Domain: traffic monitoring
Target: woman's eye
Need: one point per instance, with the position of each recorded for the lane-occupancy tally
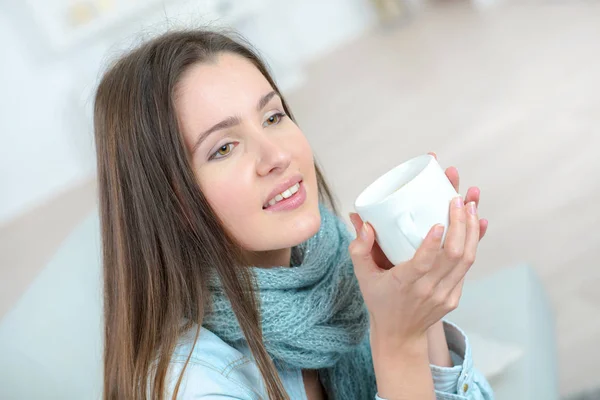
(222, 152)
(274, 119)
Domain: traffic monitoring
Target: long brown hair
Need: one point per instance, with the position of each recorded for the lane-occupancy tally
(160, 237)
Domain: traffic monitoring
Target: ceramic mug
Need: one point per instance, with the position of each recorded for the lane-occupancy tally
(403, 204)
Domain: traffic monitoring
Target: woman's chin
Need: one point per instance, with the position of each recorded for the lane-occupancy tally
(298, 229)
(308, 223)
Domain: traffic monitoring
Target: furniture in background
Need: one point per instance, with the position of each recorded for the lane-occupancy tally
(51, 340)
(511, 306)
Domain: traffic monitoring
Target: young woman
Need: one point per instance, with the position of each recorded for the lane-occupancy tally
(228, 273)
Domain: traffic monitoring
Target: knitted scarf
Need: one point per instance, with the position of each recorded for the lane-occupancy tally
(313, 314)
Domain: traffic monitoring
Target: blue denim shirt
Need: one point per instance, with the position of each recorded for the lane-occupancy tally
(217, 370)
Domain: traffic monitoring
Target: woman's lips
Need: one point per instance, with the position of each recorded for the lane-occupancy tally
(292, 202)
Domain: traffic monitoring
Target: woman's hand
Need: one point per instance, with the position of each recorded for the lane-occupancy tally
(406, 299)
(473, 194)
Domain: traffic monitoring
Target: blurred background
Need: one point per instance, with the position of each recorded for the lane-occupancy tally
(508, 91)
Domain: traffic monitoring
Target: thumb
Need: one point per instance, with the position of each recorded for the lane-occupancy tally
(360, 248)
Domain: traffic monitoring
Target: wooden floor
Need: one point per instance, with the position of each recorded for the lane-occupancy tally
(512, 99)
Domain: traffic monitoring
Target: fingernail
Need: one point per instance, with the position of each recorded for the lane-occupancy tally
(472, 207)
(458, 202)
(438, 231)
(363, 232)
(352, 222)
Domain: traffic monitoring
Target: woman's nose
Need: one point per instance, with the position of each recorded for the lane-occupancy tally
(271, 155)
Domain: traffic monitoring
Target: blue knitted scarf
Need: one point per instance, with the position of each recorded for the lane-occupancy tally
(313, 314)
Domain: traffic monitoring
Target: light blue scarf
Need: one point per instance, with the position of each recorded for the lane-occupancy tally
(313, 314)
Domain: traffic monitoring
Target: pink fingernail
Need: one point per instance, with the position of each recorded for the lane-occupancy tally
(363, 231)
(472, 208)
(438, 231)
(458, 202)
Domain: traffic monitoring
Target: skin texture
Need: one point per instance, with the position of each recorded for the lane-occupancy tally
(437, 347)
(252, 157)
(406, 300)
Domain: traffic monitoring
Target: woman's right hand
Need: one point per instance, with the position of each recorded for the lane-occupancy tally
(404, 300)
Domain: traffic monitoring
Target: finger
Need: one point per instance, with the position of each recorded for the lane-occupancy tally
(470, 249)
(378, 255)
(454, 244)
(483, 226)
(360, 250)
(473, 194)
(431, 153)
(456, 293)
(356, 221)
(427, 253)
(453, 177)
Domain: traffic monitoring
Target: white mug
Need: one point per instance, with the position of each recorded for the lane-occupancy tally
(403, 204)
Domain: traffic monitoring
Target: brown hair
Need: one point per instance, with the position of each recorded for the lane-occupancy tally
(160, 237)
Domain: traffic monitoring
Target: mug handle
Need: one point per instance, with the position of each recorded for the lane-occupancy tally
(406, 223)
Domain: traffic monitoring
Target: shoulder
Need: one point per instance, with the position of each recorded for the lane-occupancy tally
(215, 368)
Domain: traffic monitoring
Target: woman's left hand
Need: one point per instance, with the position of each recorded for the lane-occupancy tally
(472, 194)
(437, 345)
(436, 338)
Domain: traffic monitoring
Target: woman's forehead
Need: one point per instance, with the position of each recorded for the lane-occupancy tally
(209, 92)
(228, 77)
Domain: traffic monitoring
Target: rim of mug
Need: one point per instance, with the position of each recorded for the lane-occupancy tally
(365, 192)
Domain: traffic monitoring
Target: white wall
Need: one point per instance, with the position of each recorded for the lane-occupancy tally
(38, 155)
(50, 340)
(46, 98)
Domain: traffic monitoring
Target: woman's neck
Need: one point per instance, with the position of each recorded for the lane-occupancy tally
(270, 258)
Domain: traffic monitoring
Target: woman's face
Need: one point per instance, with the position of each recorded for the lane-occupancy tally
(252, 149)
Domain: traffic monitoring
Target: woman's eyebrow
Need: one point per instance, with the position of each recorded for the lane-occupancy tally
(265, 100)
(232, 121)
(226, 123)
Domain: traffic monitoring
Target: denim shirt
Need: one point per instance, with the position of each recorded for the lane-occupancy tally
(217, 370)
